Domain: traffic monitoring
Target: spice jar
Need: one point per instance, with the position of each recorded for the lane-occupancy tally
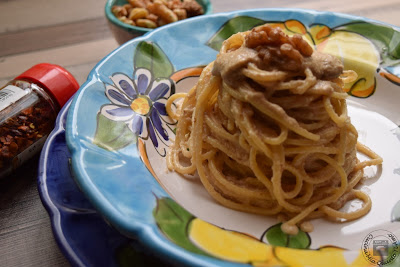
(29, 105)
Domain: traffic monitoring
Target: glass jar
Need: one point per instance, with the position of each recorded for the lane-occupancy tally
(29, 105)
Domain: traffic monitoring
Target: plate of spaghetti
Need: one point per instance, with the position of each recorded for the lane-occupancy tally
(266, 137)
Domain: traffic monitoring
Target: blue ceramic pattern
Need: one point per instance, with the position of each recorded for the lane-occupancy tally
(139, 103)
(81, 233)
(117, 183)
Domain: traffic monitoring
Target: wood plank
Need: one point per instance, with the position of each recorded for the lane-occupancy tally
(54, 36)
(388, 14)
(385, 11)
(71, 55)
(74, 35)
(359, 8)
(17, 15)
(31, 246)
(26, 238)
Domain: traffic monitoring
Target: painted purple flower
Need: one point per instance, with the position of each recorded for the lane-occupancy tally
(140, 103)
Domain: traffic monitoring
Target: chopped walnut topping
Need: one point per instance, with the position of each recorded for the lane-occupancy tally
(291, 53)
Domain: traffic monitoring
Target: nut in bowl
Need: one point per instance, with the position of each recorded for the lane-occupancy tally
(128, 19)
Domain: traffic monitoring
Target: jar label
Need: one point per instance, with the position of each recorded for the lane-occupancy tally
(29, 152)
(9, 95)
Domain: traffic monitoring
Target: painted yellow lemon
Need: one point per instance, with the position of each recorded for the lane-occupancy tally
(229, 245)
(238, 247)
(357, 53)
(327, 257)
(360, 261)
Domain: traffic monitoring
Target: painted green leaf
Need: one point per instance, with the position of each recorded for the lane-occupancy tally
(150, 56)
(276, 237)
(235, 25)
(385, 38)
(174, 222)
(112, 135)
(392, 261)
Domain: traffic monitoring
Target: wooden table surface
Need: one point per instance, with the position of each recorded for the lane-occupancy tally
(75, 35)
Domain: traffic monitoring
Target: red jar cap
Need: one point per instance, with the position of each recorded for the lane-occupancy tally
(56, 80)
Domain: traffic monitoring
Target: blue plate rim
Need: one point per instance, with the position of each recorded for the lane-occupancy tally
(53, 211)
(144, 232)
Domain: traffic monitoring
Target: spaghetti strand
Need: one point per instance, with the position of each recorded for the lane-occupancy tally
(267, 131)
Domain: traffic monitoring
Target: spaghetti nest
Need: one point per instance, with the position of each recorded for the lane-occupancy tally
(266, 129)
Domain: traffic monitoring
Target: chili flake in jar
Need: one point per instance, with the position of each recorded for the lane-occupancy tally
(29, 105)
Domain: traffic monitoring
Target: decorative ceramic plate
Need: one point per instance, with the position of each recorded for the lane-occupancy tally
(118, 133)
(81, 233)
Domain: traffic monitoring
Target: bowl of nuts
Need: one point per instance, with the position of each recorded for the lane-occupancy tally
(131, 18)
